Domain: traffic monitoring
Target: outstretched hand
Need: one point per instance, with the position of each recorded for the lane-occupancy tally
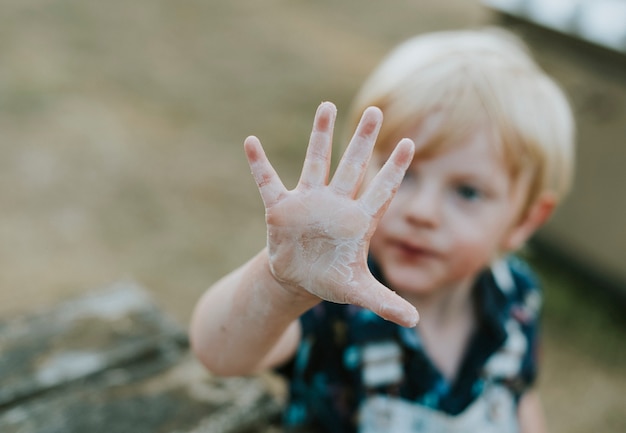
(318, 233)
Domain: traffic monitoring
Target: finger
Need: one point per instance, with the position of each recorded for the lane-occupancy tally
(270, 186)
(384, 302)
(317, 161)
(386, 182)
(353, 164)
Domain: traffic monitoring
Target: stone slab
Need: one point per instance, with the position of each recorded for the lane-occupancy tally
(112, 361)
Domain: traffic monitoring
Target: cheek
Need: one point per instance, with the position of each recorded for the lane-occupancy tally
(390, 217)
(474, 248)
(469, 259)
(379, 233)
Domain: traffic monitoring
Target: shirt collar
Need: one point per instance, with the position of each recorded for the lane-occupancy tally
(491, 300)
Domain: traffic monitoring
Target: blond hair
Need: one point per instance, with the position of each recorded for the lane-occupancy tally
(476, 78)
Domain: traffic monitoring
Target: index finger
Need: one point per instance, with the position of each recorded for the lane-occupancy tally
(384, 185)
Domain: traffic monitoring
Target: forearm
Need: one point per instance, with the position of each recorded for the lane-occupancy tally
(247, 321)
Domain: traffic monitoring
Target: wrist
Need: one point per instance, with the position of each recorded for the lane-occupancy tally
(282, 292)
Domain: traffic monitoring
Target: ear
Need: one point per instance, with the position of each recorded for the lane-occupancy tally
(537, 214)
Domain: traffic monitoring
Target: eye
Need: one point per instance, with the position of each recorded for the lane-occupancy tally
(469, 192)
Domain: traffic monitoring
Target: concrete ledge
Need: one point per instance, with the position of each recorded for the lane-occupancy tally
(111, 361)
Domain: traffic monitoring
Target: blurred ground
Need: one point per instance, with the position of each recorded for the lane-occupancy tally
(121, 126)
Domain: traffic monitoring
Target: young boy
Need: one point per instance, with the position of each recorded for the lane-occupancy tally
(331, 302)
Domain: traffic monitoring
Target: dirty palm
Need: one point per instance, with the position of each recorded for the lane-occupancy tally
(318, 233)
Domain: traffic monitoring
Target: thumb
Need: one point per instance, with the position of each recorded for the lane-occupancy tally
(374, 296)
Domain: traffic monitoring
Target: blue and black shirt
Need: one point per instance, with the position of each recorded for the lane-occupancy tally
(349, 356)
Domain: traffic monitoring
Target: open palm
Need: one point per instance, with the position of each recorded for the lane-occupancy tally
(318, 233)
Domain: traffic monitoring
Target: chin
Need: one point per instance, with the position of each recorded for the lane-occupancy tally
(411, 283)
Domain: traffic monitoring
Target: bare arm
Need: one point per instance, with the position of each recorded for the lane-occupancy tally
(530, 414)
(317, 240)
(247, 322)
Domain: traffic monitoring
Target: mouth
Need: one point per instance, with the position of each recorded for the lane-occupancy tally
(411, 251)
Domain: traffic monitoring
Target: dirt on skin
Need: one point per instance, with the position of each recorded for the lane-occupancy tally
(121, 155)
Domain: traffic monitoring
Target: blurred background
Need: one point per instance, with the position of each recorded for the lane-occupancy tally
(122, 124)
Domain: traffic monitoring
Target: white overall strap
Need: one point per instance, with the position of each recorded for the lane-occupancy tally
(502, 276)
(494, 411)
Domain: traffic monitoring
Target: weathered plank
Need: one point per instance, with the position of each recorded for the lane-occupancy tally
(111, 361)
(182, 399)
(81, 337)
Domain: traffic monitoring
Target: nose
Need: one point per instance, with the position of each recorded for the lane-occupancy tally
(423, 205)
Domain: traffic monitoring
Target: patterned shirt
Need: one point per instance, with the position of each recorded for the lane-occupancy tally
(349, 357)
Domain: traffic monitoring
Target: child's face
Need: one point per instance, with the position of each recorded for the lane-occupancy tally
(451, 216)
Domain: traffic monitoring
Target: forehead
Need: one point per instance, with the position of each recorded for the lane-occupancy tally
(440, 132)
(473, 154)
(443, 129)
